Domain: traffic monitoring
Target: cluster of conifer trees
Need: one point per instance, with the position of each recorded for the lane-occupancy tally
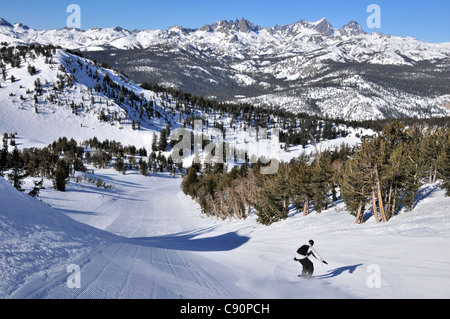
(388, 170)
(63, 158)
(56, 161)
(383, 175)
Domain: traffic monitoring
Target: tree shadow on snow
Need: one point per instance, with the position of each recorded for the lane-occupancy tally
(338, 271)
(187, 241)
(425, 192)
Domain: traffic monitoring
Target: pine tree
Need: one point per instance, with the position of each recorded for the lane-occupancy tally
(154, 143)
(16, 176)
(321, 180)
(443, 164)
(163, 140)
(119, 164)
(4, 155)
(32, 69)
(190, 182)
(61, 175)
(367, 165)
(143, 167)
(429, 150)
(354, 190)
(274, 197)
(300, 183)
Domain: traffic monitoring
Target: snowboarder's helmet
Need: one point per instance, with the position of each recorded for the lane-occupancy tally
(311, 242)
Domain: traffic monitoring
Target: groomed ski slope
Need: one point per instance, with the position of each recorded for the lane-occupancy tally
(149, 240)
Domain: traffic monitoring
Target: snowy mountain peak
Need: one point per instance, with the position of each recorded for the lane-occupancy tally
(352, 28)
(4, 23)
(246, 26)
(242, 25)
(20, 25)
(323, 20)
(282, 67)
(324, 27)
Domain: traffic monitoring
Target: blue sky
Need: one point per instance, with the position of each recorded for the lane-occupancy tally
(426, 20)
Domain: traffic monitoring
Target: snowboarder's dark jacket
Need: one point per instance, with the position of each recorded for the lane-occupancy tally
(306, 250)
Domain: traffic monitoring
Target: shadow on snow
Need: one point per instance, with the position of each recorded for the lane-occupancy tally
(338, 271)
(189, 242)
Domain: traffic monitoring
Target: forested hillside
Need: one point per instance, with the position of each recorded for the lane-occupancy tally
(383, 175)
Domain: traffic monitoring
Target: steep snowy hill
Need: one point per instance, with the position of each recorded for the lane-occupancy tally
(63, 97)
(34, 238)
(305, 66)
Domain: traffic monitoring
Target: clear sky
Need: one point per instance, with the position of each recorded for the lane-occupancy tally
(426, 20)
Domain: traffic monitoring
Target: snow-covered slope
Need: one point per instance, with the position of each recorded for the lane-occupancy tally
(71, 106)
(35, 239)
(163, 248)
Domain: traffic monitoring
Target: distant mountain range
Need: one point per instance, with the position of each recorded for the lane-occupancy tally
(305, 66)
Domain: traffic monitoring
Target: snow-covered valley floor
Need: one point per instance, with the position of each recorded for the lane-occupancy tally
(149, 240)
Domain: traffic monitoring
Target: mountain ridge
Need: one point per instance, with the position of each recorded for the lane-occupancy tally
(302, 67)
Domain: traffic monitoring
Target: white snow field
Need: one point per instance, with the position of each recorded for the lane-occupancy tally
(149, 240)
(144, 238)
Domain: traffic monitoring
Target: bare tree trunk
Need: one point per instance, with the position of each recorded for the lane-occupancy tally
(380, 203)
(394, 203)
(285, 208)
(380, 197)
(306, 206)
(374, 204)
(359, 217)
(388, 208)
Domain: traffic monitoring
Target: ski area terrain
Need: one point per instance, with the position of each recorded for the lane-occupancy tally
(138, 235)
(146, 239)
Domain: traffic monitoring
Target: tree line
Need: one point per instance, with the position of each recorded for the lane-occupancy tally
(62, 159)
(388, 170)
(383, 175)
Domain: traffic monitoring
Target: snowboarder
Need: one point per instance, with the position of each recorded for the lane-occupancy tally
(302, 256)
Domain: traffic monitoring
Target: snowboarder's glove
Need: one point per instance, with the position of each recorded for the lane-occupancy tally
(325, 262)
(295, 259)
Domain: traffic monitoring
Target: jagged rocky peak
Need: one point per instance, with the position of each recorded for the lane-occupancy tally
(246, 26)
(242, 25)
(4, 23)
(206, 28)
(351, 29)
(324, 27)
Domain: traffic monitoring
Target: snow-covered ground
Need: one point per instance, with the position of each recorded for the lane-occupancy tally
(143, 238)
(149, 240)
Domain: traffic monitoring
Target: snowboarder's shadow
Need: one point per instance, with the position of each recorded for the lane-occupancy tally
(338, 271)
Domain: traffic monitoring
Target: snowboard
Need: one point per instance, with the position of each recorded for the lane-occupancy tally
(306, 278)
